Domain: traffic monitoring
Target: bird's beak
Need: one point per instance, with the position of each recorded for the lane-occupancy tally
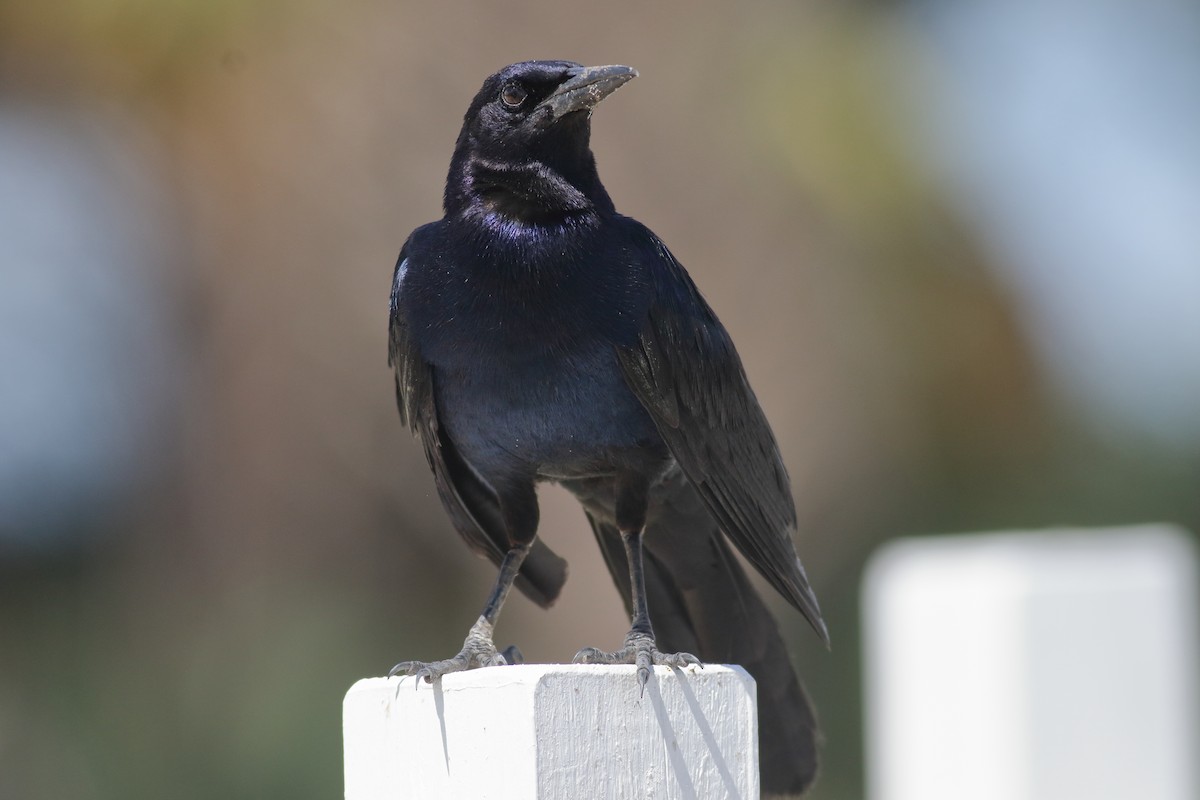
(585, 87)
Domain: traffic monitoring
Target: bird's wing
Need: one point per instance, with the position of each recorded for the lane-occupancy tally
(468, 499)
(687, 374)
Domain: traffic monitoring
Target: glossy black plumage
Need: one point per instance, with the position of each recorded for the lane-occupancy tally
(537, 335)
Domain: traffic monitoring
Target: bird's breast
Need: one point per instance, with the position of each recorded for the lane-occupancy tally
(522, 338)
(558, 416)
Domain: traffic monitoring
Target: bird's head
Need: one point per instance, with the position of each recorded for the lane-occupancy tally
(524, 149)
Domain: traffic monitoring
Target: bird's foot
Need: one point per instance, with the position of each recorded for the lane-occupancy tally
(639, 649)
(477, 651)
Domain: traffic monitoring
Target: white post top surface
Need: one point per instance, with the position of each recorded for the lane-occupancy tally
(543, 731)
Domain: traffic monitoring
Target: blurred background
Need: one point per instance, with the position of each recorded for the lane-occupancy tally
(958, 247)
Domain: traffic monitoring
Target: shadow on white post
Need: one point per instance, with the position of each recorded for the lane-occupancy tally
(1033, 666)
(542, 731)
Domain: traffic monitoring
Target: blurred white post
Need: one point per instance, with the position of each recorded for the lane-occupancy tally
(1033, 666)
(542, 731)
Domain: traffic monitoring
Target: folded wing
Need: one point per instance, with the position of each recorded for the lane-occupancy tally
(687, 374)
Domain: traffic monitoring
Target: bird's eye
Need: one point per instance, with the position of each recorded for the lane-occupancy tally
(512, 95)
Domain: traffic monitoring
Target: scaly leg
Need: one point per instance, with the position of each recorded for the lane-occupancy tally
(478, 649)
(640, 647)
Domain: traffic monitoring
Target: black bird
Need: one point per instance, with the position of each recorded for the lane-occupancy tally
(538, 335)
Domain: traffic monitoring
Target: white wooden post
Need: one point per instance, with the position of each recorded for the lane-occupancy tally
(1033, 666)
(554, 731)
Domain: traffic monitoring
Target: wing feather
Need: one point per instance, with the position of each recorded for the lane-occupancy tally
(687, 373)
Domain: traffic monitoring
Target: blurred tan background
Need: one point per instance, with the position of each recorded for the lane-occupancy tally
(955, 244)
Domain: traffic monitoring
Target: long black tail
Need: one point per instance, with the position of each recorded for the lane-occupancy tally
(702, 602)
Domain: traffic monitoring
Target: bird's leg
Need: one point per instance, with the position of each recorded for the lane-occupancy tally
(478, 649)
(639, 647)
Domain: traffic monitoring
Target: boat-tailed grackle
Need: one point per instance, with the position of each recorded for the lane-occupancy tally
(538, 335)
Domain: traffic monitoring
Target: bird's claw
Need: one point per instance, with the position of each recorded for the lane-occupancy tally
(641, 651)
(477, 651)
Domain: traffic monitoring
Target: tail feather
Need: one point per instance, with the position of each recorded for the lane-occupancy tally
(701, 601)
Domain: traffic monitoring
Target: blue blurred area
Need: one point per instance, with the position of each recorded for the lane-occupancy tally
(1067, 134)
(86, 338)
